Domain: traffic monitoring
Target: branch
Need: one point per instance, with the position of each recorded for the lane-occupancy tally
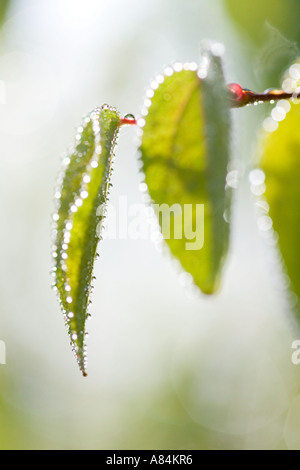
(240, 97)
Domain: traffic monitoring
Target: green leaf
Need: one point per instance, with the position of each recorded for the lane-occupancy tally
(81, 198)
(185, 155)
(281, 165)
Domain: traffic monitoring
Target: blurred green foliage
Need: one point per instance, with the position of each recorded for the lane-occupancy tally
(272, 27)
(4, 4)
(281, 164)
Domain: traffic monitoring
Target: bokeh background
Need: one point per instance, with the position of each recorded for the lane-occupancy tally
(168, 368)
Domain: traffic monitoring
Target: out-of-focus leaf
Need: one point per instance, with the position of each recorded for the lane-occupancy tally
(253, 16)
(273, 28)
(281, 165)
(4, 4)
(81, 198)
(185, 155)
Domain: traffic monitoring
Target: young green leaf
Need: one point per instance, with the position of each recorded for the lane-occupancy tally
(81, 198)
(281, 165)
(185, 155)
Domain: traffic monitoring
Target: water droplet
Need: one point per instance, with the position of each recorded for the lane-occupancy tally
(285, 105)
(295, 97)
(294, 71)
(150, 93)
(264, 223)
(86, 179)
(154, 85)
(226, 216)
(289, 85)
(203, 67)
(66, 161)
(84, 194)
(78, 202)
(278, 113)
(202, 73)
(270, 125)
(105, 106)
(143, 187)
(146, 198)
(258, 190)
(129, 117)
(257, 177)
(263, 205)
(218, 49)
(160, 79)
(193, 66)
(232, 179)
(168, 71)
(141, 122)
(178, 67)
